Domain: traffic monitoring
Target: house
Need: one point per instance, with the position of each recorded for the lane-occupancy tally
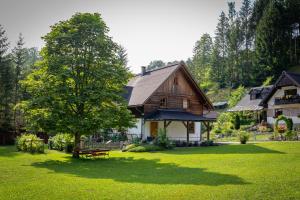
(168, 98)
(284, 99)
(251, 102)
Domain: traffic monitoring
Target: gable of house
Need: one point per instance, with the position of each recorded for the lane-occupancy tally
(177, 92)
(174, 83)
(287, 80)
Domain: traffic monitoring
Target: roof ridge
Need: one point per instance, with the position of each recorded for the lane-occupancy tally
(166, 66)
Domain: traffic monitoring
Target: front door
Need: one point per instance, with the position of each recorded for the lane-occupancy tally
(153, 129)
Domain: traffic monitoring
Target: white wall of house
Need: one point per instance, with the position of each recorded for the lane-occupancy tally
(289, 110)
(175, 131)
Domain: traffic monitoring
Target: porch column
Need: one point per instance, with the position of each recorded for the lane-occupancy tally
(200, 133)
(187, 134)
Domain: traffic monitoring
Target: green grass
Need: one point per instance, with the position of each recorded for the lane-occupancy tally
(269, 170)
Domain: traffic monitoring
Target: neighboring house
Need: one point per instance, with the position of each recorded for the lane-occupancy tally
(251, 102)
(168, 98)
(220, 105)
(284, 99)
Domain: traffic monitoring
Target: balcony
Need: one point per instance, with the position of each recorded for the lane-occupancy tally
(287, 100)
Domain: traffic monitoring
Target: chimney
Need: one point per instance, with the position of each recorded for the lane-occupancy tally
(143, 70)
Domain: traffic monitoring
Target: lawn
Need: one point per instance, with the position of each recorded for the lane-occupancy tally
(269, 170)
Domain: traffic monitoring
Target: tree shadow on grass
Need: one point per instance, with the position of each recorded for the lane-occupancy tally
(8, 151)
(139, 171)
(224, 149)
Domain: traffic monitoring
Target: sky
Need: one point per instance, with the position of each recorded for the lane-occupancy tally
(149, 30)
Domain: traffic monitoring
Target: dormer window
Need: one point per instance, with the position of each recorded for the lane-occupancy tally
(163, 102)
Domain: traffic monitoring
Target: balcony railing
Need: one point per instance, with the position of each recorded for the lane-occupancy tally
(287, 100)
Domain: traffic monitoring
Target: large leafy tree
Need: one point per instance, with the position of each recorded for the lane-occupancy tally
(76, 87)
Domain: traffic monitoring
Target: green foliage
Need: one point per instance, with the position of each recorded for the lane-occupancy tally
(207, 143)
(237, 122)
(130, 146)
(288, 121)
(236, 96)
(6, 84)
(291, 135)
(136, 140)
(146, 148)
(77, 86)
(155, 64)
(162, 140)
(243, 136)
(268, 81)
(63, 141)
(30, 143)
(224, 123)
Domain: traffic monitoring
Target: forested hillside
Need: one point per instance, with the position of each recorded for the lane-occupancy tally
(259, 40)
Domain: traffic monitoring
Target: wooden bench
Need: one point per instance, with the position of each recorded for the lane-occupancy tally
(94, 152)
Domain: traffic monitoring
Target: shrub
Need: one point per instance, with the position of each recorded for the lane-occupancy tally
(30, 143)
(290, 135)
(146, 148)
(243, 137)
(162, 140)
(130, 146)
(237, 122)
(136, 140)
(207, 143)
(63, 141)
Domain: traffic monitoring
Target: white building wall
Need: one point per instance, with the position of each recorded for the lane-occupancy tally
(290, 110)
(175, 131)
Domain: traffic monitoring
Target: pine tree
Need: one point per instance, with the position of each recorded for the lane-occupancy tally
(234, 44)
(202, 56)
(220, 53)
(6, 83)
(247, 40)
(19, 62)
(272, 42)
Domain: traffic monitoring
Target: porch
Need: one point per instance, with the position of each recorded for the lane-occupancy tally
(178, 124)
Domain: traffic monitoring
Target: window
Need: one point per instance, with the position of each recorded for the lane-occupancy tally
(191, 127)
(163, 102)
(175, 81)
(175, 84)
(185, 103)
(278, 112)
(290, 92)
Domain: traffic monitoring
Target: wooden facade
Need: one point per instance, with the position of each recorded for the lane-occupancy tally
(177, 92)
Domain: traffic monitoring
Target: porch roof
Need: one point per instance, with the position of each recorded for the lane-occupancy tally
(179, 115)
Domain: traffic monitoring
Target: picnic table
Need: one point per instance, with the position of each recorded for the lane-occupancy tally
(94, 152)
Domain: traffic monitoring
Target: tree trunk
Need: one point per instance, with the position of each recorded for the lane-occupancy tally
(76, 146)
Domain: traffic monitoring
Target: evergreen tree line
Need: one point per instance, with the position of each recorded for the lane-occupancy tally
(259, 40)
(15, 64)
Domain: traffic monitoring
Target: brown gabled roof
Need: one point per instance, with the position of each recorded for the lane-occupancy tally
(293, 77)
(141, 87)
